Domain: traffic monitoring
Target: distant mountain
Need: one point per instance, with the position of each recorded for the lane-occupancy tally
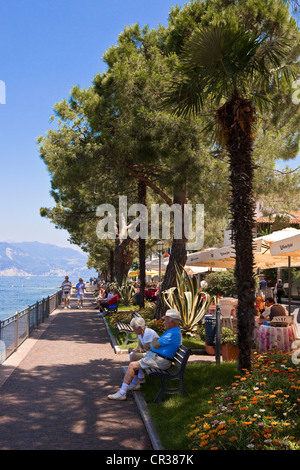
(41, 259)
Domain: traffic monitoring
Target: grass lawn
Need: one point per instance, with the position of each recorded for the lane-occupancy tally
(173, 415)
(227, 409)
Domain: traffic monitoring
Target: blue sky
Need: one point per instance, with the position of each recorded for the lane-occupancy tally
(48, 46)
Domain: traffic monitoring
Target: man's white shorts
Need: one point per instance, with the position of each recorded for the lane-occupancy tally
(66, 295)
(151, 359)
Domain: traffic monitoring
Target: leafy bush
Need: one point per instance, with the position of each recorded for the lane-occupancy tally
(228, 337)
(120, 316)
(221, 283)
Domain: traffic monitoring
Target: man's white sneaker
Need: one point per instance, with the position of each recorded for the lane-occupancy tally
(134, 387)
(117, 396)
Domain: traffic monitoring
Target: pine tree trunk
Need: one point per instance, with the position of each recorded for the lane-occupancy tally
(123, 258)
(111, 265)
(178, 254)
(237, 117)
(142, 246)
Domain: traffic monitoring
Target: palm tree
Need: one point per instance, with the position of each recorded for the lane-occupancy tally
(234, 69)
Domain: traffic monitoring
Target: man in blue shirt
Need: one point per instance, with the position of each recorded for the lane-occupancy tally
(160, 354)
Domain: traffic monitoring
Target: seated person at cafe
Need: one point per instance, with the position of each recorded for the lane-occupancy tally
(160, 355)
(272, 310)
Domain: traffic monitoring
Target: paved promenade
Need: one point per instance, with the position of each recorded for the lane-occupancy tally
(53, 390)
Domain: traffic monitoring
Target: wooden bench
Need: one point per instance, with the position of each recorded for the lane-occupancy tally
(111, 309)
(175, 372)
(124, 327)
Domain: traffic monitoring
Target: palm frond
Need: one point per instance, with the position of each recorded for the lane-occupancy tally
(216, 61)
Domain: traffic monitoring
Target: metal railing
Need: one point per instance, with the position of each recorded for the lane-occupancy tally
(15, 329)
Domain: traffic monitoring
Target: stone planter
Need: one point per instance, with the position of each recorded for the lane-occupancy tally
(229, 352)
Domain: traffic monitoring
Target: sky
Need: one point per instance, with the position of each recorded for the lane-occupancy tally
(47, 47)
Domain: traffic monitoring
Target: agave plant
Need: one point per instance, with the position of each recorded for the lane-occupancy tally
(127, 292)
(188, 299)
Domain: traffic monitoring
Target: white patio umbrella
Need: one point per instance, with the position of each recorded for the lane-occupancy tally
(285, 245)
(225, 256)
(213, 258)
(194, 269)
(265, 252)
(154, 264)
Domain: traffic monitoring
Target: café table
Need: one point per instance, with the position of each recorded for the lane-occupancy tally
(275, 337)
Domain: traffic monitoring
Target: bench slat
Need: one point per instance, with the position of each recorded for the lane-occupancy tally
(175, 372)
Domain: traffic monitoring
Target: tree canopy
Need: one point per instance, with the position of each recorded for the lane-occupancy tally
(106, 139)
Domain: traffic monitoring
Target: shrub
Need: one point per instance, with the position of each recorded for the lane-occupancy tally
(221, 283)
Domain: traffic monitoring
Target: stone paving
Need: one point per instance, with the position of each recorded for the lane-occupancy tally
(53, 390)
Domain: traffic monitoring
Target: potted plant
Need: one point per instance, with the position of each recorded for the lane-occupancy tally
(229, 345)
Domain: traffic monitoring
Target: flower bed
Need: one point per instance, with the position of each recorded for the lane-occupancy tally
(259, 411)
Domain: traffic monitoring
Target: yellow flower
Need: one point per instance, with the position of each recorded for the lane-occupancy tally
(206, 426)
(223, 431)
(233, 438)
(221, 426)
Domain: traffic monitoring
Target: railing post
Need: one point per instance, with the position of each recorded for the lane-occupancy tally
(36, 314)
(48, 306)
(28, 322)
(16, 331)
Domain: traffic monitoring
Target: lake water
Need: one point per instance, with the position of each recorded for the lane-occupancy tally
(16, 293)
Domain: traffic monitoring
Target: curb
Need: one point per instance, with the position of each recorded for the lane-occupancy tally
(146, 417)
(139, 399)
(113, 339)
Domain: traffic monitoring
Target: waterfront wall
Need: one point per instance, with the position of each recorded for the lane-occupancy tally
(15, 329)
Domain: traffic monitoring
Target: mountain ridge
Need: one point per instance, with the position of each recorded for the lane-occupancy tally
(41, 259)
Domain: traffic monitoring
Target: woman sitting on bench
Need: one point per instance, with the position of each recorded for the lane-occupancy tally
(112, 302)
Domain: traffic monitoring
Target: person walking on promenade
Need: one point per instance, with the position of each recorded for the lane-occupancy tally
(66, 291)
(262, 288)
(160, 354)
(279, 290)
(80, 287)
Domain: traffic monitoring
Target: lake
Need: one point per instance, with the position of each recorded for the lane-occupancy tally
(17, 292)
